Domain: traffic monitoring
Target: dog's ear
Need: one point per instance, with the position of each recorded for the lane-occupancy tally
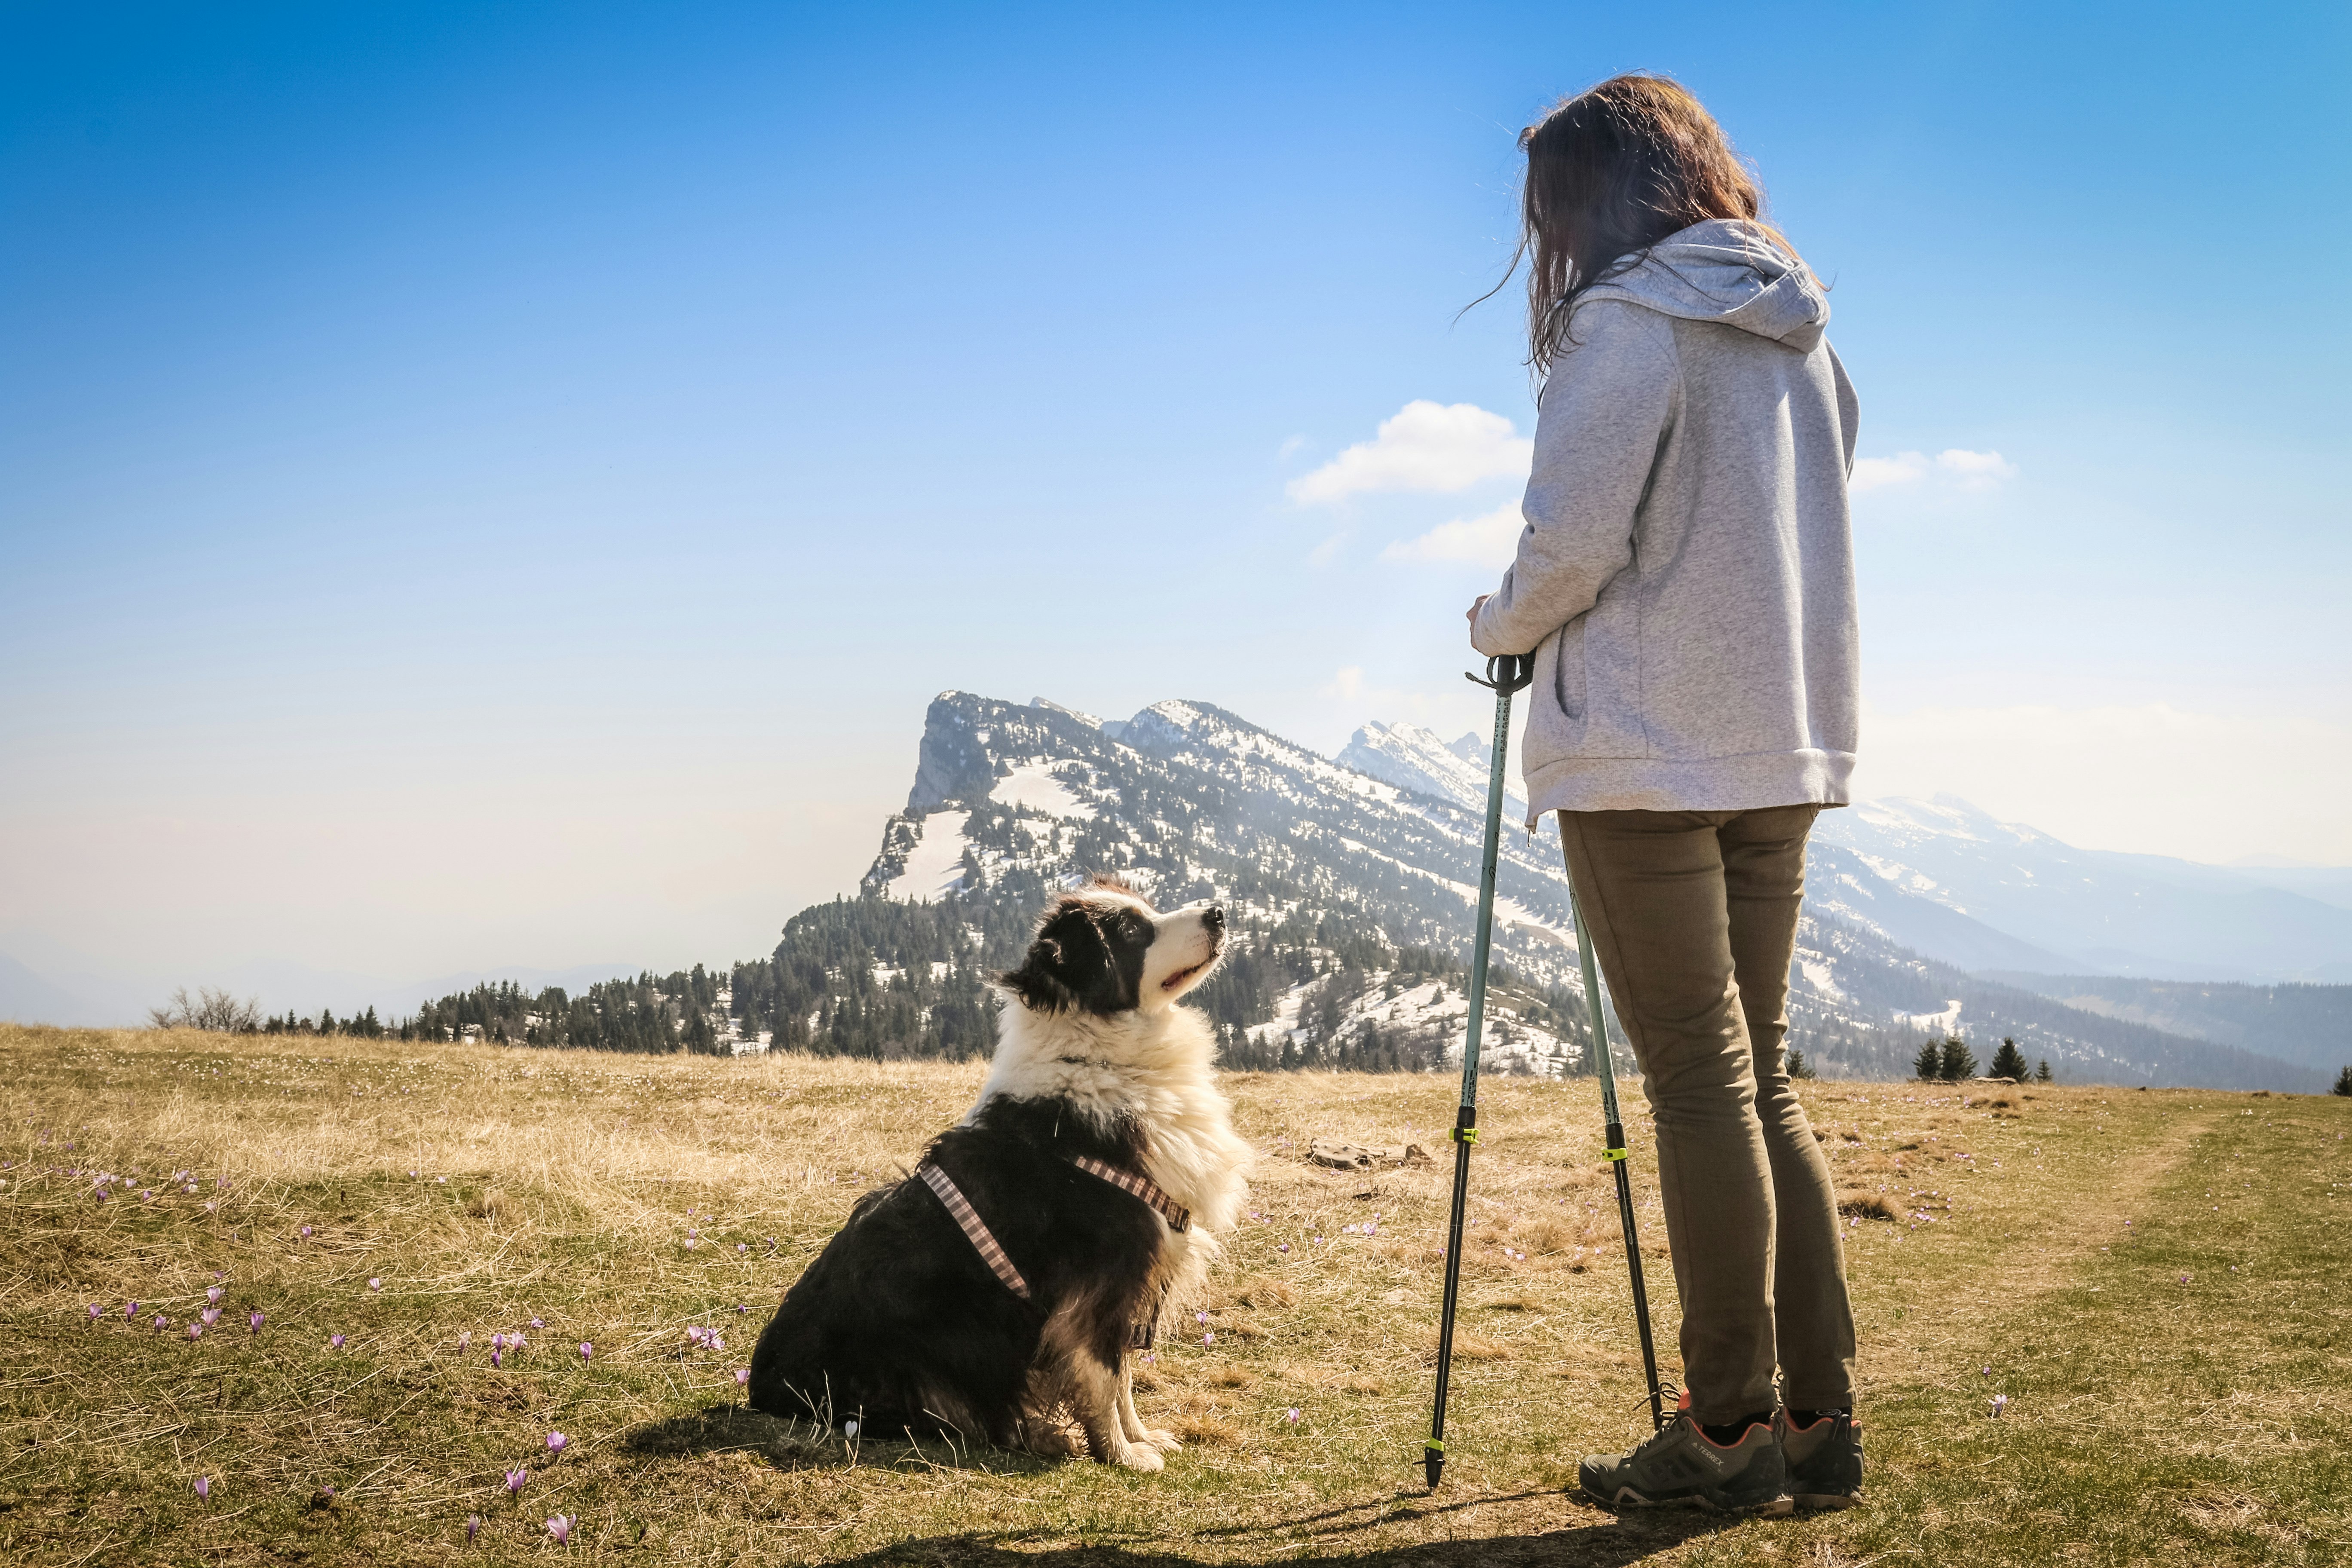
(1069, 965)
(1039, 982)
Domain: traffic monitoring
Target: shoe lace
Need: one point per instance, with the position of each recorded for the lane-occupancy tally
(1671, 1398)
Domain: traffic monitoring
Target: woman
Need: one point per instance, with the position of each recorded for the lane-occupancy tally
(1685, 581)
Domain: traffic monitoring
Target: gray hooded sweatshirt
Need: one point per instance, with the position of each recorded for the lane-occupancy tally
(1685, 578)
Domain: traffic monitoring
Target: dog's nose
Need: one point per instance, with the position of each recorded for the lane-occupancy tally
(1213, 918)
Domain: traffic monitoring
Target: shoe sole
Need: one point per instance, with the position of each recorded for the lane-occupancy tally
(1827, 1499)
(1627, 1498)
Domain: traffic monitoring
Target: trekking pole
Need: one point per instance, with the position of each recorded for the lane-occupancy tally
(1615, 1154)
(1506, 673)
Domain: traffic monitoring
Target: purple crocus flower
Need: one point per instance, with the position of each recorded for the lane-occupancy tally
(204, 1486)
(2000, 1403)
(1209, 1339)
(557, 1442)
(515, 1479)
(94, 1310)
(256, 1321)
(1294, 1415)
(161, 1322)
(497, 1357)
(559, 1527)
(196, 1331)
(375, 1284)
(586, 1351)
(742, 1377)
(537, 1324)
(473, 1526)
(131, 1312)
(465, 1338)
(211, 1316)
(335, 1342)
(212, 1294)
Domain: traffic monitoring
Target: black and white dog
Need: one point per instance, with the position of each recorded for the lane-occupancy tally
(998, 1292)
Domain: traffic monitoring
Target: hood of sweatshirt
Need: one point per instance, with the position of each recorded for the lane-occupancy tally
(1728, 272)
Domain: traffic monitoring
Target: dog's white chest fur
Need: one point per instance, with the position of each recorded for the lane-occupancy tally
(1152, 1067)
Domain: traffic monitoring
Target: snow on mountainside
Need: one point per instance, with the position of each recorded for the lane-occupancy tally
(2082, 911)
(1352, 893)
(1413, 757)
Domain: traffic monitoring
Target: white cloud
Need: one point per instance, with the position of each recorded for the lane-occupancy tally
(1426, 447)
(1489, 540)
(1346, 685)
(2150, 777)
(1954, 468)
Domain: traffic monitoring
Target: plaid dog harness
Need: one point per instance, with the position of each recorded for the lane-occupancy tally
(983, 1241)
(959, 1209)
(1179, 1217)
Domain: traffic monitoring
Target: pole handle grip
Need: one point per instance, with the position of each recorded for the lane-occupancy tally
(1506, 672)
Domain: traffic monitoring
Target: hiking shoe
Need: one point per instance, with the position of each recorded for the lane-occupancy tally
(1824, 1459)
(1682, 1466)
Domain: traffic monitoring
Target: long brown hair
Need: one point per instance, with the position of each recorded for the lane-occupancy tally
(1611, 173)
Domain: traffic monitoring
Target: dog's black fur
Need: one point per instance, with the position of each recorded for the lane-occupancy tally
(1085, 958)
(899, 1325)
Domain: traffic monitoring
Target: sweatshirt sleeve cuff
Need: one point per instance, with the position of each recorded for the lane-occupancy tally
(1490, 638)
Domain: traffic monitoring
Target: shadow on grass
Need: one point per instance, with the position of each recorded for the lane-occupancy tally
(1598, 1540)
(1606, 1542)
(802, 1446)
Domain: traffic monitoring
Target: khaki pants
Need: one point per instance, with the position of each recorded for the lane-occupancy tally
(1693, 918)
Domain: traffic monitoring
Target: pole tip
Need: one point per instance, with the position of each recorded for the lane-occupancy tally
(1432, 1465)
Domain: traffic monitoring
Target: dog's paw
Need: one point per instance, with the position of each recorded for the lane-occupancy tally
(1140, 1457)
(1166, 1442)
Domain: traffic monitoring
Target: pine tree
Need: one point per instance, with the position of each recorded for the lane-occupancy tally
(1958, 1061)
(2041, 1073)
(2343, 1083)
(2008, 1062)
(1799, 1066)
(1928, 1065)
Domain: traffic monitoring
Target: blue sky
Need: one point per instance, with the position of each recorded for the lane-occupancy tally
(499, 484)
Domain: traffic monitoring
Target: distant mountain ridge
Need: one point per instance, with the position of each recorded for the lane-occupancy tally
(1377, 847)
(2093, 911)
(1353, 883)
(1413, 758)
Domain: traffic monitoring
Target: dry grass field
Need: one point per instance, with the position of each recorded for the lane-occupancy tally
(2154, 1283)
